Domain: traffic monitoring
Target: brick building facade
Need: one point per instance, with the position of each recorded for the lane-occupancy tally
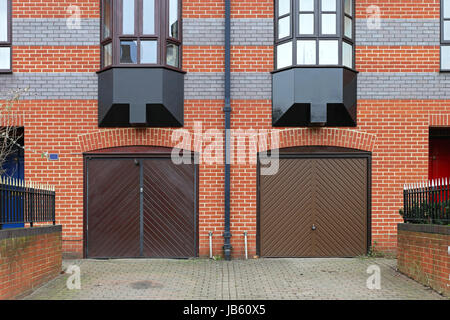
(401, 94)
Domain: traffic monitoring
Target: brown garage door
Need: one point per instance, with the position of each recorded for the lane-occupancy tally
(140, 207)
(168, 215)
(315, 207)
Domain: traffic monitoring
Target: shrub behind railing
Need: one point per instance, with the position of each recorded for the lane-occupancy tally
(427, 203)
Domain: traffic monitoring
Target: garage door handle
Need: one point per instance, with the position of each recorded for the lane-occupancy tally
(313, 227)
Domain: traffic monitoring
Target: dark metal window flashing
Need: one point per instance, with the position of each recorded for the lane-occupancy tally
(149, 97)
(444, 43)
(306, 97)
(140, 94)
(315, 94)
(8, 42)
(317, 35)
(161, 34)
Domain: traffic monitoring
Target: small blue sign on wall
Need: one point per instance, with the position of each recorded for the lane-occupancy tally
(53, 157)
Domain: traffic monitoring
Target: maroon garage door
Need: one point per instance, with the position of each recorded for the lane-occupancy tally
(315, 207)
(140, 207)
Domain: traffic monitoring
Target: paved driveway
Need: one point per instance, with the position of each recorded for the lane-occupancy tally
(247, 280)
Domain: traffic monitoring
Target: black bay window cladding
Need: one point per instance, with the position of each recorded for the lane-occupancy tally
(141, 82)
(314, 83)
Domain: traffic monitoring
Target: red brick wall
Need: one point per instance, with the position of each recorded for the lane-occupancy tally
(54, 8)
(56, 59)
(425, 258)
(397, 59)
(28, 260)
(395, 130)
(400, 9)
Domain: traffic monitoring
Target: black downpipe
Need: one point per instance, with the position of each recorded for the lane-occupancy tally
(227, 234)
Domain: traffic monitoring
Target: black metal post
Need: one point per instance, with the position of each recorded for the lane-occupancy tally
(54, 207)
(32, 194)
(227, 234)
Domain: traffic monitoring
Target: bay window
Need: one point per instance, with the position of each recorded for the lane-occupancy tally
(141, 33)
(5, 36)
(445, 35)
(140, 83)
(314, 33)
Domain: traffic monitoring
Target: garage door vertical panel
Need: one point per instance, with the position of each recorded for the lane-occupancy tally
(285, 210)
(169, 209)
(113, 208)
(341, 204)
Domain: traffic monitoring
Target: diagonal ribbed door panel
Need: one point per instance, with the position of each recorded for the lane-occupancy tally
(286, 206)
(328, 193)
(113, 208)
(341, 216)
(169, 209)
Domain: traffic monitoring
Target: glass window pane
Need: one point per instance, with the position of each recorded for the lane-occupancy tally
(446, 9)
(128, 17)
(106, 19)
(329, 23)
(328, 5)
(445, 57)
(306, 5)
(173, 18)
(107, 55)
(128, 51)
(172, 55)
(348, 27)
(5, 58)
(348, 7)
(446, 30)
(347, 55)
(284, 55)
(284, 27)
(328, 52)
(306, 52)
(148, 51)
(306, 23)
(4, 20)
(284, 7)
(148, 16)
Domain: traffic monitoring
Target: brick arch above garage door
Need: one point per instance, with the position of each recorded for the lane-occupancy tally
(345, 138)
(129, 137)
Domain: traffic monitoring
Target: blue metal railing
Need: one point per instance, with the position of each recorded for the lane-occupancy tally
(22, 202)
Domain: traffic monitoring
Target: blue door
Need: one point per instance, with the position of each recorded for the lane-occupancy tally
(14, 168)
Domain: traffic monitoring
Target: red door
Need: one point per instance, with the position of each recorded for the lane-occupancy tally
(439, 164)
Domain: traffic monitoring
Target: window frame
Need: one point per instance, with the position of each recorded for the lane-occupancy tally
(108, 40)
(161, 35)
(317, 36)
(169, 39)
(443, 43)
(8, 42)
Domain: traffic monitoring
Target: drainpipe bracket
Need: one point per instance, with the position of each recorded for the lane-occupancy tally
(227, 247)
(227, 235)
